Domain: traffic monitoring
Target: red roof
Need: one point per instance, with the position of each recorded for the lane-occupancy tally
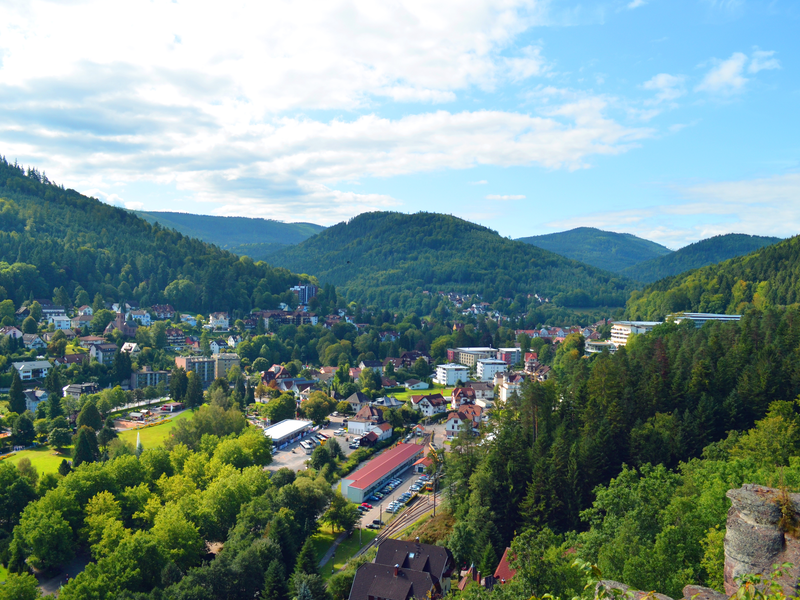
(504, 572)
(381, 465)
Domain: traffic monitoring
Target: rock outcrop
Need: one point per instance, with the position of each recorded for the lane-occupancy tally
(755, 539)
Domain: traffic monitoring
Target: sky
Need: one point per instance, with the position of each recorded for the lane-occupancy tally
(674, 120)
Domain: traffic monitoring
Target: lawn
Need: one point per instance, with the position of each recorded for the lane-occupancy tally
(155, 435)
(406, 395)
(322, 542)
(44, 458)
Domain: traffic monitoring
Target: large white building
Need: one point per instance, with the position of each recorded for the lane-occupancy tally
(470, 356)
(450, 373)
(622, 330)
(700, 319)
(488, 367)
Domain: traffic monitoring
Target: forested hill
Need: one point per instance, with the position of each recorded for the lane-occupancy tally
(256, 238)
(699, 254)
(52, 238)
(603, 249)
(384, 258)
(767, 277)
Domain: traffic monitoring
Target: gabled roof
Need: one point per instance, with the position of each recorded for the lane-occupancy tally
(380, 581)
(504, 571)
(359, 397)
(368, 413)
(435, 560)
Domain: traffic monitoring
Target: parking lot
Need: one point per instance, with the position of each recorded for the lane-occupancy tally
(379, 507)
(294, 456)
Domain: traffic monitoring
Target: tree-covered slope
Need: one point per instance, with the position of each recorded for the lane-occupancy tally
(602, 249)
(699, 254)
(52, 238)
(255, 238)
(381, 258)
(767, 277)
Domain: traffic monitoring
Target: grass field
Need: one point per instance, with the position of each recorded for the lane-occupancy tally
(406, 395)
(322, 542)
(155, 435)
(45, 459)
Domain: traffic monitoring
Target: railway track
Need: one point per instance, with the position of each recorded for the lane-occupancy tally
(407, 517)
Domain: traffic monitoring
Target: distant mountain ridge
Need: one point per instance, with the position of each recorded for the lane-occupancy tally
(385, 258)
(694, 256)
(248, 236)
(606, 250)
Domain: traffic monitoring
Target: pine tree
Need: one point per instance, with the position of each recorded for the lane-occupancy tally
(275, 587)
(16, 395)
(64, 468)
(85, 447)
(54, 408)
(90, 417)
(52, 383)
(194, 391)
(488, 561)
(306, 560)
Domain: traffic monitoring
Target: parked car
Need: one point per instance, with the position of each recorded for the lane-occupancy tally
(365, 505)
(373, 526)
(377, 522)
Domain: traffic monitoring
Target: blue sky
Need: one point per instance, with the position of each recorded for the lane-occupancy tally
(673, 120)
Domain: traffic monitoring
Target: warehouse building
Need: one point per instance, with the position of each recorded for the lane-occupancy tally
(378, 471)
(288, 431)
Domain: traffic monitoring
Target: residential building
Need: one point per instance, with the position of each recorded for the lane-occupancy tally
(204, 367)
(86, 310)
(375, 365)
(12, 331)
(511, 356)
(407, 359)
(30, 370)
(357, 401)
(146, 377)
(190, 319)
(53, 311)
(508, 384)
(76, 390)
(33, 398)
(131, 348)
(415, 384)
(467, 413)
(140, 316)
(404, 570)
(365, 419)
(103, 353)
(81, 321)
(622, 330)
(223, 363)
(469, 356)
(461, 396)
(304, 293)
(451, 373)
(388, 402)
(72, 359)
(504, 571)
(489, 367)
(163, 311)
(33, 341)
(216, 346)
(429, 405)
(60, 321)
(701, 319)
(88, 341)
(175, 337)
(484, 390)
(597, 346)
(218, 320)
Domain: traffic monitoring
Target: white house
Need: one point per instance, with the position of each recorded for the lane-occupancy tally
(489, 367)
(35, 369)
(60, 322)
(131, 348)
(86, 310)
(429, 405)
(189, 319)
(141, 316)
(33, 398)
(11, 331)
(218, 320)
(509, 385)
(415, 384)
(466, 414)
(450, 373)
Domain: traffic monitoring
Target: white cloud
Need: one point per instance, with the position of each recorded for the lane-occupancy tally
(762, 61)
(726, 76)
(481, 182)
(667, 87)
(529, 64)
(755, 206)
(507, 197)
(636, 4)
(113, 199)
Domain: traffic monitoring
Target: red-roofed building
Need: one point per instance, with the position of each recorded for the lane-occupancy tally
(504, 571)
(422, 464)
(374, 474)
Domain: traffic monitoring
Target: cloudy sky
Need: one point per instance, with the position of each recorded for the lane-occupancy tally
(670, 119)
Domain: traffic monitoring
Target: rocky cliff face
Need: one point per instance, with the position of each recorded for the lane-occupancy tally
(755, 539)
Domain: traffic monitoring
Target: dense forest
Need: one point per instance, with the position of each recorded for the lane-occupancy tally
(57, 239)
(664, 399)
(767, 277)
(251, 237)
(602, 249)
(385, 259)
(699, 254)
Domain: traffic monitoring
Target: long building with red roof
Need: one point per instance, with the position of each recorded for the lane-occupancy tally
(374, 475)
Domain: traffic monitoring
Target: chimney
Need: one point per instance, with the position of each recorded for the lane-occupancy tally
(417, 540)
(396, 570)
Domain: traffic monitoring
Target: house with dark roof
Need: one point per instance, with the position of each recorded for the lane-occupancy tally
(403, 570)
(366, 417)
(375, 365)
(430, 404)
(357, 401)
